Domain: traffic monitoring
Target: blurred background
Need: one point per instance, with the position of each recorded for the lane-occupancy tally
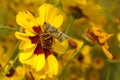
(91, 63)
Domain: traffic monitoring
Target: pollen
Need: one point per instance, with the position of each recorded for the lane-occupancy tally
(46, 40)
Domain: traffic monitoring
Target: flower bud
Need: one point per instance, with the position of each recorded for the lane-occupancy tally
(11, 72)
(72, 44)
(76, 12)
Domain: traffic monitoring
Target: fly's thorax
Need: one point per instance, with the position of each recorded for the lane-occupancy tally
(53, 32)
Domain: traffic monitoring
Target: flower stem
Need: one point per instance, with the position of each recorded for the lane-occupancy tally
(69, 26)
(70, 60)
(108, 73)
(10, 28)
(57, 3)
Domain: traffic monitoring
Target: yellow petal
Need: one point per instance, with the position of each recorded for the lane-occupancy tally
(24, 18)
(38, 62)
(35, 61)
(52, 16)
(55, 21)
(107, 53)
(26, 45)
(22, 36)
(81, 3)
(26, 54)
(118, 37)
(86, 50)
(41, 18)
(52, 64)
(50, 13)
(106, 45)
(33, 23)
(29, 33)
(60, 47)
(20, 71)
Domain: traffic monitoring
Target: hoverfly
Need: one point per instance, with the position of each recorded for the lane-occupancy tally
(54, 32)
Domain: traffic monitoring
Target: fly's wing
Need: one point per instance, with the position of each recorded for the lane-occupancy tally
(57, 34)
(54, 32)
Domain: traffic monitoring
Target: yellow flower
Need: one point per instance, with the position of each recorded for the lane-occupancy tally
(1, 50)
(84, 58)
(118, 37)
(87, 9)
(93, 75)
(80, 3)
(15, 74)
(98, 62)
(81, 62)
(74, 7)
(97, 35)
(72, 44)
(4, 56)
(36, 42)
(93, 11)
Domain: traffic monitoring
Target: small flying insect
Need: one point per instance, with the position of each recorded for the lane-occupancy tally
(54, 32)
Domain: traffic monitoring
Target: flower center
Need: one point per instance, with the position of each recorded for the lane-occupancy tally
(80, 57)
(43, 40)
(46, 40)
(11, 72)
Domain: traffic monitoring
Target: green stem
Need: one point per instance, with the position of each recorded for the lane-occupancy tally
(108, 73)
(70, 60)
(13, 52)
(57, 3)
(1, 78)
(10, 28)
(69, 26)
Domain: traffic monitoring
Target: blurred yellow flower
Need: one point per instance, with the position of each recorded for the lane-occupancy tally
(93, 75)
(1, 50)
(97, 35)
(74, 7)
(79, 3)
(88, 9)
(72, 44)
(3, 57)
(93, 11)
(98, 62)
(36, 43)
(18, 74)
(118, 37)
(84, 58)
(14, 73)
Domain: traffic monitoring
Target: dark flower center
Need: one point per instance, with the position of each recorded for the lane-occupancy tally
(94, 37)
(46, 40)
(77, 12)
(43, 40)
(80, 57)
(11, 72)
